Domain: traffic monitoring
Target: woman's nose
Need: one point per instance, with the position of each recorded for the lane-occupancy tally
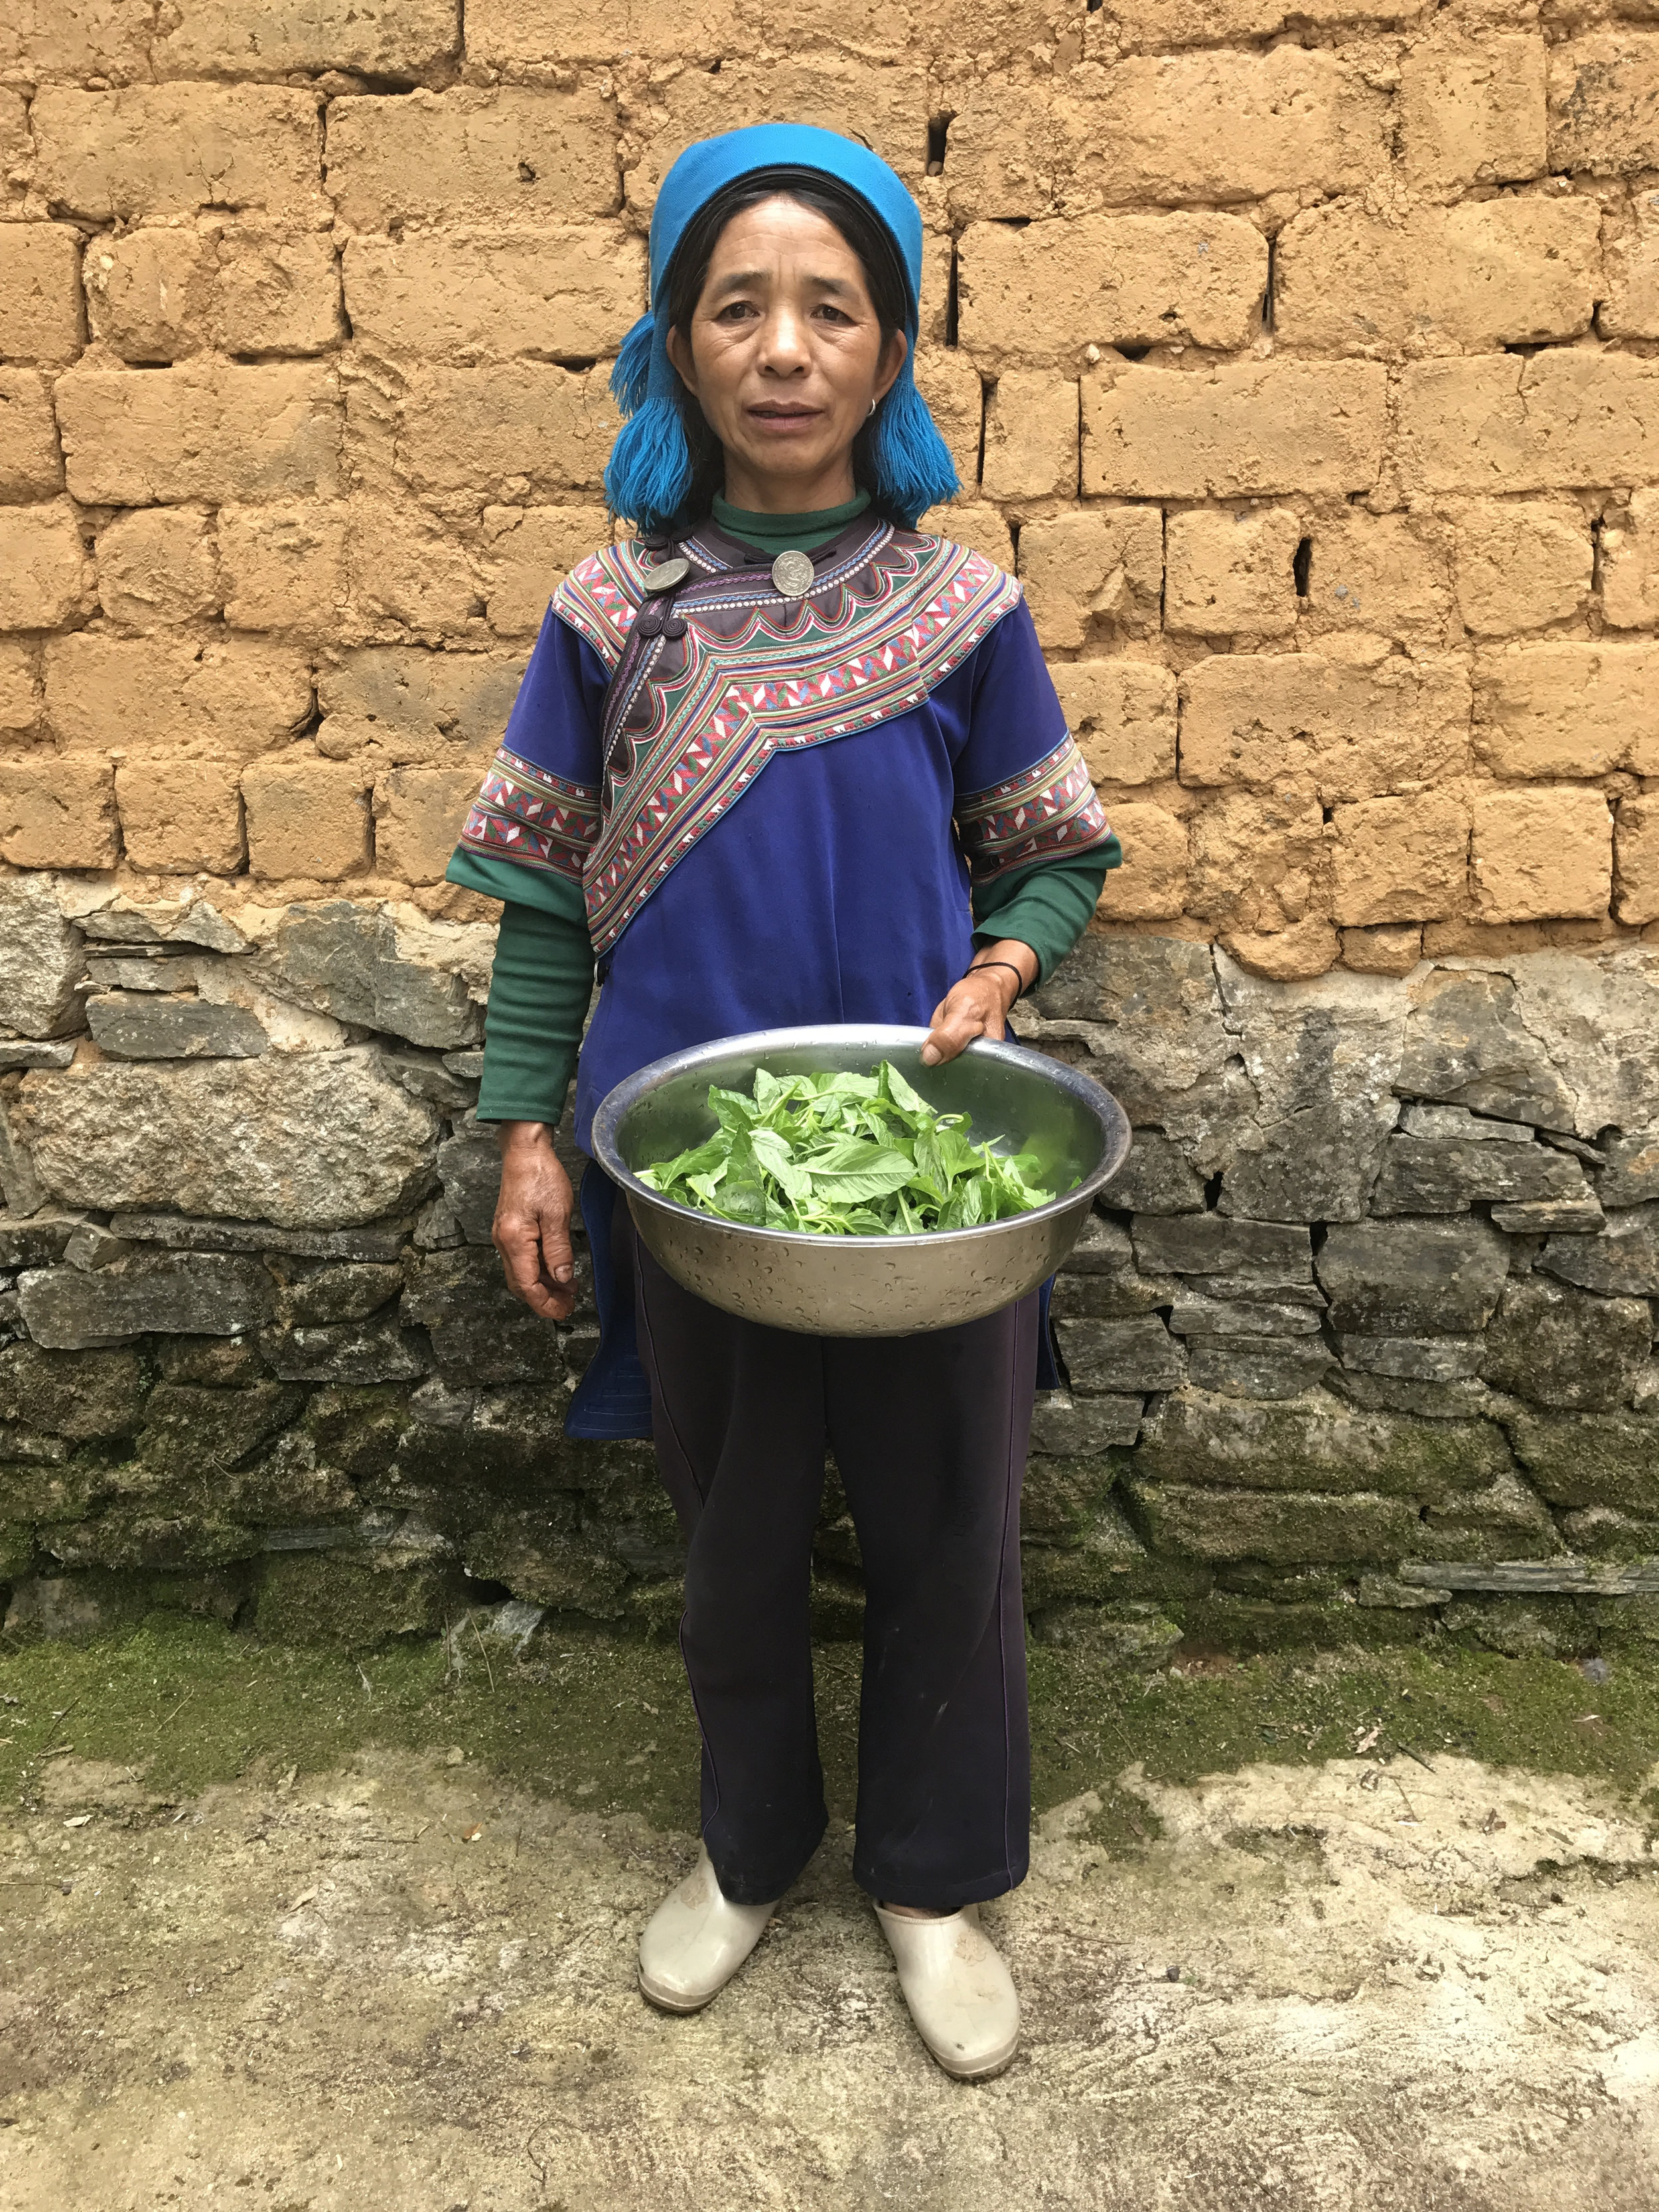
(783, 342)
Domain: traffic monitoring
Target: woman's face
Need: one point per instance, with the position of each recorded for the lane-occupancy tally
(785, 356)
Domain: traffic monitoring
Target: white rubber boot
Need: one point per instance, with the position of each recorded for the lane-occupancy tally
(961, 1995)
(695, 1941)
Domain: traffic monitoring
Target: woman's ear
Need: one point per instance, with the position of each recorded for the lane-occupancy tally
(892, 360)
(680, 352)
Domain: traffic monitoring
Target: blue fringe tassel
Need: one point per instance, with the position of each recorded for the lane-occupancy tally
(912, 463)
(648, 477)
(631, 376)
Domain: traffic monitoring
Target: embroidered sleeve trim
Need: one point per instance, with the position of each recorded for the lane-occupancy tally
(523, 813)
(600, 597)
(1049, 812)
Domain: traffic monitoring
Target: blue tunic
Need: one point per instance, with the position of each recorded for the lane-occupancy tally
(834, 889)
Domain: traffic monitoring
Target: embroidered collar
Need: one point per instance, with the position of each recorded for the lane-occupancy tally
(708, 682)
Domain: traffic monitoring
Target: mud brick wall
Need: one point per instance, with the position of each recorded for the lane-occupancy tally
(1306, 367)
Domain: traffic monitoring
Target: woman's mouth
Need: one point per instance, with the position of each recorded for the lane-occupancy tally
(780, 421)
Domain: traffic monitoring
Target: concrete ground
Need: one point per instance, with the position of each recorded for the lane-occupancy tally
(405, 1981)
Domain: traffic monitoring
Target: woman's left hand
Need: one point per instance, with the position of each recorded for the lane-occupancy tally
(979, 1005)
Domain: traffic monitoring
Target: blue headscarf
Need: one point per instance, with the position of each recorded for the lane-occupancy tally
(649, 476)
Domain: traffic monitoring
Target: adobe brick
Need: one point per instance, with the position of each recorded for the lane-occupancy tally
(277, 292)
(155, 149)
(1636, 847)
(1630, 565)
(949, 382)
(208, 430)
(1152, 886)
(506, 156)
(1392, 949)
(19, 685)
(151, 295)
(531, 549)
(887, 109)
(1260, 860)
(1553, 421)
(306, 818)
(397, 39)
(1631, 308)
(1227, 573)
(1485, 274)
(1153, 25)
(46, 40)
(1222, 127)
(163, 294)
(16, 148)
(1521, 564)
(1390, 574)
(975, 523)
(58, 811)
(1350, 731)
(40, 311)
(529, 34)
(1542, 856)
(1211, 128)
(1472, 110)
(1568, 708)
(567, 294)
(43, 566)
(158, 564)
(283, 565)
(1400, 860)
(1604, 103)
(1123, 714)
(156, 695)
(530, 423)
(181, 816)
(401, 568)
(418, 814)
(407, 706)
(31, 464)
(1031, 437)
(1099, 568)
(1245, 427)
(1038, 297)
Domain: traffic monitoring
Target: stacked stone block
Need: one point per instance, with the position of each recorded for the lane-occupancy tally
(1305, 368)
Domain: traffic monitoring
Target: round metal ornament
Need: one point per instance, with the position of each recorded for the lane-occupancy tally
(793, 574)
(667, 575)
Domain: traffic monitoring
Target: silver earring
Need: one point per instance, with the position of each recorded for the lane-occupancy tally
(873, 406)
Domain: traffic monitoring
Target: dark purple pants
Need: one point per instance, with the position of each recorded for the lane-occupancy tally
(930, 1435)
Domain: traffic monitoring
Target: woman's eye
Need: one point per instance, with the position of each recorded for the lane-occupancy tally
(736, 310)
(829, 314)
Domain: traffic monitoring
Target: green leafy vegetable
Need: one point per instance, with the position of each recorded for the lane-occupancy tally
(844, 1156)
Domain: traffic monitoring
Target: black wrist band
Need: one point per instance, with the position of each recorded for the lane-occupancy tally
(1010, 966)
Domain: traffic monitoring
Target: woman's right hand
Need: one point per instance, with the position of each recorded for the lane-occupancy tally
(531, 1229)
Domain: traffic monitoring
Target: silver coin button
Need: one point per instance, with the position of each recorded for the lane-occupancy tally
(667, 574)
(793, 573)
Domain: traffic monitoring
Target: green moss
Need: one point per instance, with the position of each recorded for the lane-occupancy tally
(332, 1600)
(606, 1720)
(1243, 1623)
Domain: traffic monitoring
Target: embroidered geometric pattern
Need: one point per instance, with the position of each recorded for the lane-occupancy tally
(1049, 809)
(869, 641)
(523, 814)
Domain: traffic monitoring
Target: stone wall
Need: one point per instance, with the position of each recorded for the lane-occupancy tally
(1306, 367)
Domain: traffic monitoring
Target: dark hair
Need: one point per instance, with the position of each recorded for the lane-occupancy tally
(688, 272)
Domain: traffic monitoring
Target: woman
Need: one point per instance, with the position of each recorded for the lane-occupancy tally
(781, 760)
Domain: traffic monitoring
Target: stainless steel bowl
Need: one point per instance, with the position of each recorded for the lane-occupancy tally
(867, 1285)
